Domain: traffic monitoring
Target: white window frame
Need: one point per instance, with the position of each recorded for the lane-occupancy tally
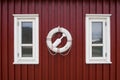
(105, 18)
(18, 19)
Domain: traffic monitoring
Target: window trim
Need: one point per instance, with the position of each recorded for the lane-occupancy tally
(18, 19)
(105, 18)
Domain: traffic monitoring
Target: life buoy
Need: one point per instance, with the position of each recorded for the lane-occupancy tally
(53, 46)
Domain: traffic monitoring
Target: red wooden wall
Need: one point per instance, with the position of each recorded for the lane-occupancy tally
(71, 15)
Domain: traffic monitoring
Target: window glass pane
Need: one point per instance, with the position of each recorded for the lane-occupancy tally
(97, 32)
(97, 51)
(26, 51)
(26, 32)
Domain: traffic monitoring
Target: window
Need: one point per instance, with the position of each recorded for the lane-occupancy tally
(26, 35)
(98, 38)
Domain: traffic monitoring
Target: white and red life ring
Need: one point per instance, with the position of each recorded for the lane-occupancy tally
(53, 46)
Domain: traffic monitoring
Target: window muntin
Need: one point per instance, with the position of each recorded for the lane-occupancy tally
(97, 38)
(26, 46)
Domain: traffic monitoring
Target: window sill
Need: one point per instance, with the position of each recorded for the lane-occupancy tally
(25, 63)
(96, 62)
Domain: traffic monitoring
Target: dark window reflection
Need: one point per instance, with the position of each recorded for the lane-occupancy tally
(26, 51)
(26, 32)
(97, 51)
(97, 32)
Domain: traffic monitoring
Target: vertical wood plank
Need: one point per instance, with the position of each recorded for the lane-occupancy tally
(11, 39)
(99, 70)
(73, 53)
(118, 39)
(106, 68)
(46, 28)
(99, 6)
(24, 6)
(4, 41)
(31, 72)
(37, 72)
(18, 73)
(0, 40)
(24, 73)
(79, 32)
(31, 7)
(113, 40)
(42, 49)
(44, 33)
(85, 66)
(93, 6)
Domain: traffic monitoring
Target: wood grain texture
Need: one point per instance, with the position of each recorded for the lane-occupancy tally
(113, 40)
(17, 69)
(118, 38)
(4, 40)
(0, 40)
(10, 40)
(69, 14)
